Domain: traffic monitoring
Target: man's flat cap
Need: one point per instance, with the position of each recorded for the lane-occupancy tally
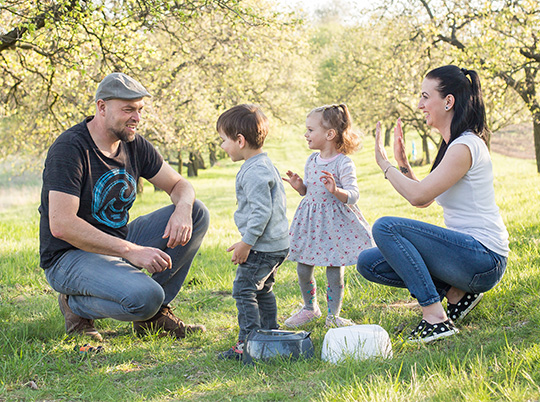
(120, 86)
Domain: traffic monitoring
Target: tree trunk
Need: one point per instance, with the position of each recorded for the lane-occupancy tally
(387, 133)
(425, 150)
(200, 160)
(180, 162)
(193, 165)
(213, 154)
(536, 131)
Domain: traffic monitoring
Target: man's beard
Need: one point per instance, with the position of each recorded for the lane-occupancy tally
(123, 136)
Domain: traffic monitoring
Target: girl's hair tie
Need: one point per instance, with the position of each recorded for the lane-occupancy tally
(465, 71)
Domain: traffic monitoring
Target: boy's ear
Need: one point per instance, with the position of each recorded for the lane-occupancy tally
(330, 134)
(241, 140)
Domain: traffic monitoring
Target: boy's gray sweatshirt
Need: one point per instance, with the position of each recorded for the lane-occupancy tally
(261, 216)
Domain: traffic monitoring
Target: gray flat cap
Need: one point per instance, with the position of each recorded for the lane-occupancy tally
(120, 86)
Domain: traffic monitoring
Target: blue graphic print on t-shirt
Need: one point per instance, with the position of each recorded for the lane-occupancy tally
(113, 196)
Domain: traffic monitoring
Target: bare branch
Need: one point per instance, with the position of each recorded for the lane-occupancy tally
(428, 9)
(452, 41)
(530, 55)
(10, 39)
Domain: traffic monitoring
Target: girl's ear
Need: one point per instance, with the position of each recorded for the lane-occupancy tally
(241, 140)
(331, 134)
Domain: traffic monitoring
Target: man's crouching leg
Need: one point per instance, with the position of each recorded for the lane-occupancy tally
(166, 322)
(94, 286)
(148, 231)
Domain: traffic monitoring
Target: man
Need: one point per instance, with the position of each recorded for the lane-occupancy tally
(91, 255)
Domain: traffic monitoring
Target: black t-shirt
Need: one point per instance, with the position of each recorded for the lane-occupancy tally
(106, 186)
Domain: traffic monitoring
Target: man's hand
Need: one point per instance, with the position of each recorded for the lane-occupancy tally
(179, 228)
(150, 258)
(240, 252)
(66, 225)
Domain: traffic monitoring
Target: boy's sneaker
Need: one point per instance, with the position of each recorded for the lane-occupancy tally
(234, 353)
(426, 332)
(76, 324)
(302, 317)
(335, 321)
(457, 312)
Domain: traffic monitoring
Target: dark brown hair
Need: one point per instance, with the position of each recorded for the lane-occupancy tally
(246, 119)
(469, 110)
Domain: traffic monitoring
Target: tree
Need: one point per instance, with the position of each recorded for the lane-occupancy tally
(376, 67)
(197, 57)
(501, 38)
(219, 62)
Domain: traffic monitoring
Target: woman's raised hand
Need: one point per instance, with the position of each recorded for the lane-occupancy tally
(399, 145)
(380, 152)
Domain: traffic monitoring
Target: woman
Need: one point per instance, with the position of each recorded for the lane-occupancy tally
(470, 256)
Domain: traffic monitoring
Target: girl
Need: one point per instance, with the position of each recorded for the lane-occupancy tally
(470, 256)
(328, 229)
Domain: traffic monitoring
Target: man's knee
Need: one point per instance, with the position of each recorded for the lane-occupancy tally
(201, 217)
(144, 302)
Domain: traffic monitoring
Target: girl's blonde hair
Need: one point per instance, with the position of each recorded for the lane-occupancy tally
(338, 118)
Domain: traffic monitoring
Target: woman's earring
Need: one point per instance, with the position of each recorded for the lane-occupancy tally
(446, 107)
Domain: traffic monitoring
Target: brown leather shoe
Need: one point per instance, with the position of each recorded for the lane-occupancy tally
(170, 324)
(76, 324)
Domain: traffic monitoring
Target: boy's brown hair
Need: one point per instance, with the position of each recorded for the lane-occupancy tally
(246, 119)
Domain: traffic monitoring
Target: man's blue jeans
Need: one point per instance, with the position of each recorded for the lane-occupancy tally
(428, 260)
(252, 290)
(101, 286)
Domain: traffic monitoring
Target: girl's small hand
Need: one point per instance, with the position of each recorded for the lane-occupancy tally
(295, 181)
(328, 181)
(380, 152)
(399, 145)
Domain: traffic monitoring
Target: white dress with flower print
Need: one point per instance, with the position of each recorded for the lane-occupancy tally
(324, 230)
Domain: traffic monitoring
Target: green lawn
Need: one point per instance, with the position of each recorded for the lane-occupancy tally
(496, 357)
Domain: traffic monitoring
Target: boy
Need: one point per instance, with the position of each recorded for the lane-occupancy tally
(260, 218)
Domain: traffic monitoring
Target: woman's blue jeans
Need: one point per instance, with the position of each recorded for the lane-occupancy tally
(428, 260)
(101, 286)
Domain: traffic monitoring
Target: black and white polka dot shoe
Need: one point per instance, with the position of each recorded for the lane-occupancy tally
(457, 312)
(426, 332)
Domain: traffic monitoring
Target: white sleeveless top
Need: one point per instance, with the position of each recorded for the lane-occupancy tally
(469, 205)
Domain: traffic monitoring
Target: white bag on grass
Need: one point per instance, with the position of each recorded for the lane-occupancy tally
(358, 341)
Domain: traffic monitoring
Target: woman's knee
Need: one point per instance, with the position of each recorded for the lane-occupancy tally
(367, 260)
(361, 264)
(382, 226)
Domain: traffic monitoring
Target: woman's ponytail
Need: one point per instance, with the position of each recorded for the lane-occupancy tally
(469, 109)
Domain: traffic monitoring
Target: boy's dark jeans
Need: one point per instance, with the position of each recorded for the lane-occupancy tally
(252, 290)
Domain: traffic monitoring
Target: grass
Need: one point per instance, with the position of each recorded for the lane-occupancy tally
(496, 357)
